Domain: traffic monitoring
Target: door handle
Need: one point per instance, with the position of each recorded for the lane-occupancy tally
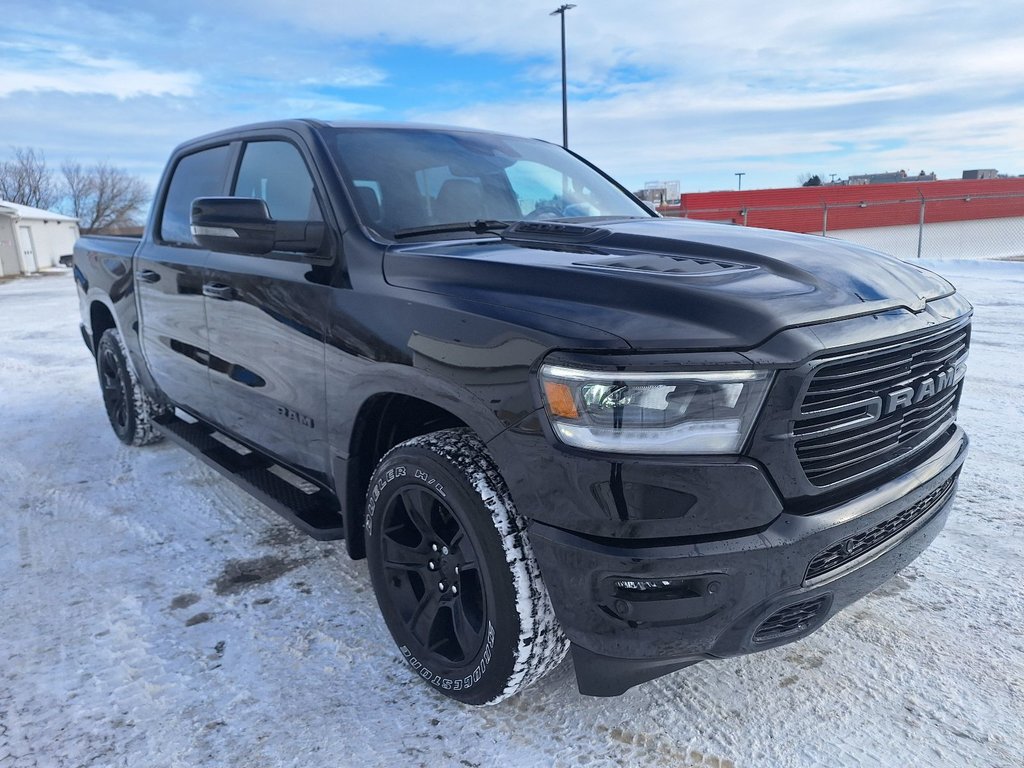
(149, 276)
(218, 291)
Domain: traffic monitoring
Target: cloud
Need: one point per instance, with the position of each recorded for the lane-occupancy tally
(70, 69)
(349, 77)
(658, 90)
(328, 108)
(651, 133)
(696, 40)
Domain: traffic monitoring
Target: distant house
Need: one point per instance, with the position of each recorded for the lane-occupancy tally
(982, 173)
(32, 239)
(894, 177)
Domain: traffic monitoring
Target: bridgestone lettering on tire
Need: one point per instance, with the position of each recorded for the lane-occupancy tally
(454, 573)
(130, 410)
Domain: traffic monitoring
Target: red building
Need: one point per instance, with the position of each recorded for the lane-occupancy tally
(829, 208)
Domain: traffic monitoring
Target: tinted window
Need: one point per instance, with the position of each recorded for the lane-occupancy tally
(274, 171)
(422, 177)
(197, 175)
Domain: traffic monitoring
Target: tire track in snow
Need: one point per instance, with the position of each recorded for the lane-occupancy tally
(927, 672)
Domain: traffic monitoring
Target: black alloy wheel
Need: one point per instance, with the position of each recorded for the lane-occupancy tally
(433, 571)
(130, 410)
(454, 573)
(114, 385)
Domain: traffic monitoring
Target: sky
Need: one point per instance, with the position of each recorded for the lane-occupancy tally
(664, 90)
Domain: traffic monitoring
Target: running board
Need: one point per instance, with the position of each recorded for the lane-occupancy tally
(310, 508)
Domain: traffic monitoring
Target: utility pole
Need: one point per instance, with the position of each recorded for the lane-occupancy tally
(739, 180)
(920, 226)
(560, 11)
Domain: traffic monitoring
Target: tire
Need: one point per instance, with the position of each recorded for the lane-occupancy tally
(130, 410)
(454, 573)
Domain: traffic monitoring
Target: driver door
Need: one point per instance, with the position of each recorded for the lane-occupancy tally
(266, 316)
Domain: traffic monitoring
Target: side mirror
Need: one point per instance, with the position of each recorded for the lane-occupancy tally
(244, 225)
(233, 224)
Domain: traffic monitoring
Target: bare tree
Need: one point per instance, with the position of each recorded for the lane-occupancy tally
(77, 188)
(810, 180)
(103, 197)
(25, 179)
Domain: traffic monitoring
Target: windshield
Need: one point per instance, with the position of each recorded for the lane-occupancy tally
(403, 179)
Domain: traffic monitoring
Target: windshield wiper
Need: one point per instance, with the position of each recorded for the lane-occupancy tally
(480, 227)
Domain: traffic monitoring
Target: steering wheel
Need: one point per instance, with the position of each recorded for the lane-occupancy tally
(546, 209)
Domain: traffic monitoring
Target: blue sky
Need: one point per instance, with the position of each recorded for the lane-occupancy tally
(691, 91)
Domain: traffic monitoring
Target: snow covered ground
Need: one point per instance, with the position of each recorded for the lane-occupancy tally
(151, 614)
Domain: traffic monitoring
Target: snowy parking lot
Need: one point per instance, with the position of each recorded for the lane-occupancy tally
(152, 614)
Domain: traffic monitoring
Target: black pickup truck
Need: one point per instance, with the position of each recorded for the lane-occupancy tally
(549, 418)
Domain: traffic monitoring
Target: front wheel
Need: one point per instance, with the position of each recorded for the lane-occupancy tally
(454, 573)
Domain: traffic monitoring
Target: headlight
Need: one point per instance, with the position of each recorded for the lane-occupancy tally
(648, 412)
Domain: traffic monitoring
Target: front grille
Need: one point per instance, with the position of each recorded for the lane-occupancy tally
(852, 547)
(791, 620)
(841, 429)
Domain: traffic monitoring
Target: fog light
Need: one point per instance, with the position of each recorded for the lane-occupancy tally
(646, 585)
(672, 588)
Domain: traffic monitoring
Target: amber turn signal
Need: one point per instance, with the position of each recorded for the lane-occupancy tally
(560, 400)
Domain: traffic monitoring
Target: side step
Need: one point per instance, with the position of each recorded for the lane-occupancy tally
(310, 508)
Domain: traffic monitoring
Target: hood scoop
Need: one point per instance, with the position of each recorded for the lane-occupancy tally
(664, 264)
(548, 232)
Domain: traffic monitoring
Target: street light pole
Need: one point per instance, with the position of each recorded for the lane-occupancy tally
(560, 11)
(739, 180)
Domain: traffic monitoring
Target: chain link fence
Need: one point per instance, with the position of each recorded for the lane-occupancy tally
(962, 227)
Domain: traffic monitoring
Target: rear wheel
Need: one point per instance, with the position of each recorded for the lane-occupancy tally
(130, 410)
(454, 573)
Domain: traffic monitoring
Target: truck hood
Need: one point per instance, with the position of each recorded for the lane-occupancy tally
(669, 284)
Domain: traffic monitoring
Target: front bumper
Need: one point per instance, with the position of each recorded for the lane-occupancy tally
(637, 609)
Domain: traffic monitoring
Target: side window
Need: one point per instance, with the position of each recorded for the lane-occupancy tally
(274, 171)
(197, 175)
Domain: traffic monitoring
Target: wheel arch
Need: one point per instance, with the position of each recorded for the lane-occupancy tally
(383, 421)
(105, 313)
(101, 319)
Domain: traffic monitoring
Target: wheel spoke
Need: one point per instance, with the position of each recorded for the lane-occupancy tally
(456, 538)
(122, 413)
(467, 635)
(402, 556)
(110, 383)
(423, 618)
(418, 506)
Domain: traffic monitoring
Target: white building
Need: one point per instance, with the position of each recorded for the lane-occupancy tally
(32, 239)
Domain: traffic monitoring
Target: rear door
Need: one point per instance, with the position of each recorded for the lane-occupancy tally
(169, 280)
(266, 316)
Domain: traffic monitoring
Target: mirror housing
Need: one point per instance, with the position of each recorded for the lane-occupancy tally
(244, 225)
(233, 224)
